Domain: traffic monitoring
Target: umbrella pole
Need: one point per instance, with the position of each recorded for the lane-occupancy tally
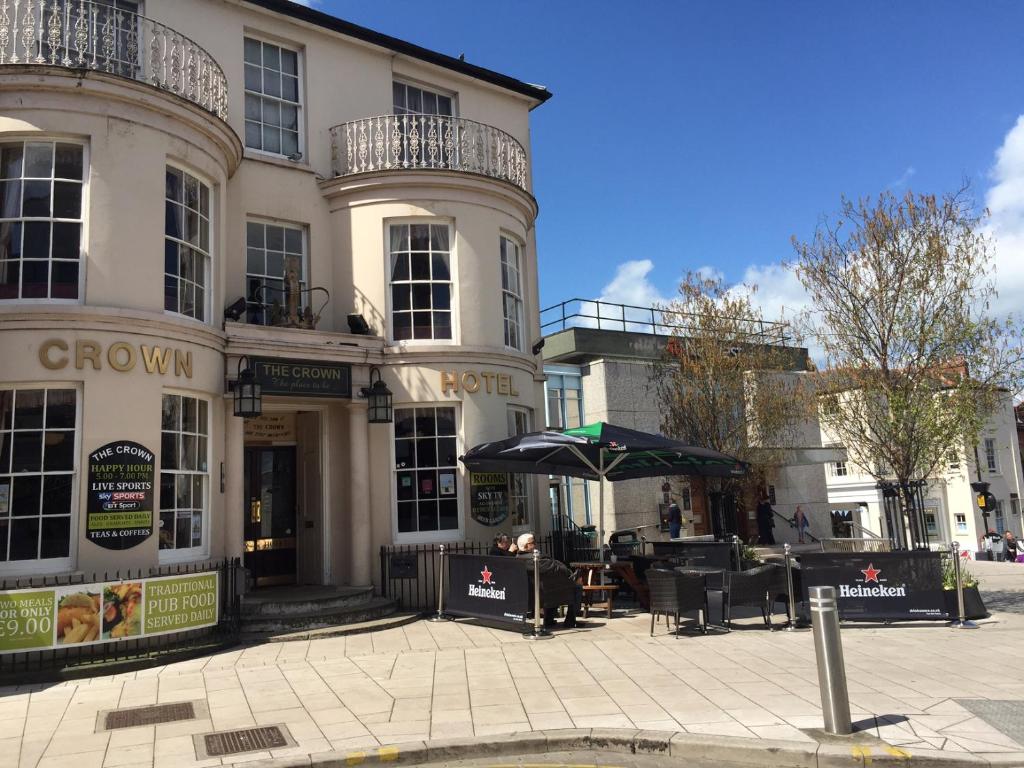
(600, 509)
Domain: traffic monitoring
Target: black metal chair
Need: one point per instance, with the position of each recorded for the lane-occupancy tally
(752, 588)
(674, 593)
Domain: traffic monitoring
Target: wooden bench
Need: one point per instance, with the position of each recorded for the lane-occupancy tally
(589, 590)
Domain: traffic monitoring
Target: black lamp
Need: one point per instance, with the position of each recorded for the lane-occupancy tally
(378, 399)
(248, 392)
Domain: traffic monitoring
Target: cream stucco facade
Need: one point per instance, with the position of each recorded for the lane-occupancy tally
(146, 320)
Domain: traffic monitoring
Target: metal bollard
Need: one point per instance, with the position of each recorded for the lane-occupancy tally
(828, 651)
(440, 592)
(539, 630)
(961, 622)
(738, 551)
(791, 605)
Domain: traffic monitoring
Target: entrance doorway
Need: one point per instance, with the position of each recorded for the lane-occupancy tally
(270, 527)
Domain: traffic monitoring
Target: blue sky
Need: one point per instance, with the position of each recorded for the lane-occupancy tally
(684, 135)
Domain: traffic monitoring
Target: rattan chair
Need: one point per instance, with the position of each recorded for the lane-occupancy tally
(674, 593)
(753, 588)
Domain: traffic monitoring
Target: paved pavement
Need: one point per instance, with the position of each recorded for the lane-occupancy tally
(430, 681)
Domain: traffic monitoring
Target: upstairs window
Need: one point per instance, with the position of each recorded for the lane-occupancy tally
(839, 469)
(186, 244)
(411, 100)
(271, 251)
(272, 98)
(511, 293)
(991, 459)
(41, 190)
(421, 282)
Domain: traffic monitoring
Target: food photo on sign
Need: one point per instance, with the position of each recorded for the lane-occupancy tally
(122, 610)
(78, 615)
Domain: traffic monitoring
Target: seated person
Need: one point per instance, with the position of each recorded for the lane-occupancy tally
(502, 546)
(557, 586)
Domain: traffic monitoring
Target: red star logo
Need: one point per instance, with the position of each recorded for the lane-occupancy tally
(871, 573)
(486, 574)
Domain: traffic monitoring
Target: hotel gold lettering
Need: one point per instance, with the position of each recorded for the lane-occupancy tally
(475, 381)
(56, 354)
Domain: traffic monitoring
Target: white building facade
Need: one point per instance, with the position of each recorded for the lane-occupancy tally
(187, 186)
(951, 511)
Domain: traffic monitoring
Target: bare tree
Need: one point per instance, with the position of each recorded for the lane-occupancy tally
(914, 363)
(720, 383)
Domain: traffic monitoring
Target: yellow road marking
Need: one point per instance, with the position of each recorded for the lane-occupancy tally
(862, 752)
(355, 758)
(897, 752)
(387, 754)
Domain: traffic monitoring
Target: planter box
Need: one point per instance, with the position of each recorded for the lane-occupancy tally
(974, 606)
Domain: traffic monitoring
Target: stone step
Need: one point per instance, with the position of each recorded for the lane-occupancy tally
(368, 610)
(302, 601)
(339, 630)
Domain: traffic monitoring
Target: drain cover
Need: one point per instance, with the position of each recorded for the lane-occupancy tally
(158, 713)
(1004, 716)
(243, 740)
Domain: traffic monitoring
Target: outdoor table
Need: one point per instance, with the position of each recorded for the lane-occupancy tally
(621, 568)
(714, 580)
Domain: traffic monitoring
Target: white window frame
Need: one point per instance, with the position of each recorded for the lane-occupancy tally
(208, 287)
(55, 564)
(529, 492)
(517, 298)
(300, 73)
(186, 554)
(999, 518)
(991, 456)
(433, 90)
(84, 238)
(304, 283)
(839, 469)
(453, 272)
(960, 522)
(430, 537)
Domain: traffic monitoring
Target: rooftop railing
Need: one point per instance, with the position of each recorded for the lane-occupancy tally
(434, 142)
(92, 35)
(611, 316)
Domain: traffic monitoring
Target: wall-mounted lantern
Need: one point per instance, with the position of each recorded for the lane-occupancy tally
(248, 392)
(378, 400)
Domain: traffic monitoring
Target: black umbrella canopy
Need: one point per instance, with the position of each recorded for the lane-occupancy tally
(600, 450)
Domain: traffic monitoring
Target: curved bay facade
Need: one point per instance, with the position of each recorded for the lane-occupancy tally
(188, 187)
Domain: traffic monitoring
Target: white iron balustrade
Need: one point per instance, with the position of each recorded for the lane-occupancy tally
(82, 34)
(438, 142)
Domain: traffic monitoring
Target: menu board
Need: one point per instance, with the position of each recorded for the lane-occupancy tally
(119, 510)
(87, 614)
(488, 497)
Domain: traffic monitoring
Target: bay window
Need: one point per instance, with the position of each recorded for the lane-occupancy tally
(186, 244)
(421, 282)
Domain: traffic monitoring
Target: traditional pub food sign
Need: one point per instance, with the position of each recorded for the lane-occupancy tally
(306, 378)
(488, 497)
(488, 587)
(119, 511)
(89, 614)
(879, 585)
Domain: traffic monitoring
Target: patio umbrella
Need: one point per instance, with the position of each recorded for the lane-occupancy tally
(598, 452)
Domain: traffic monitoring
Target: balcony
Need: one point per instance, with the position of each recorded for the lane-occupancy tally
(92, 36)
(427, 142)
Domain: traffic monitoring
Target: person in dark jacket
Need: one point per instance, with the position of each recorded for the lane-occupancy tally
(765, 521)
(557, 586)
(1012, 547)
(502, 546)
(675, 520)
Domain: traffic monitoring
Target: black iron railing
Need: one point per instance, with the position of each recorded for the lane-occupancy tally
(79, 660)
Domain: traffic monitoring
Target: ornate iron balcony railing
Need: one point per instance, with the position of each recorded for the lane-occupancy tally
(438, 142)
(91, 35)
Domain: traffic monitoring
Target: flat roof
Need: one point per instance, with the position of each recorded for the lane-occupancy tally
(333, 23)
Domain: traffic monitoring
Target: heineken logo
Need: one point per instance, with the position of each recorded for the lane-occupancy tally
(871, 574)
(485, 586)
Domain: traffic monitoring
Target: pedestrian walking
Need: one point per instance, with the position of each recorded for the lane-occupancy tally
(765, 520)
(802, 524)
(675, 520)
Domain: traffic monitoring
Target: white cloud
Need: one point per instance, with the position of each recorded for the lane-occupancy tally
(1005, 201)
(904, 177)
(631, 285)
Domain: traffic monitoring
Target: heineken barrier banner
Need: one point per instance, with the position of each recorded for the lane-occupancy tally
(482, 587)
(891, 586)
(88, 614)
